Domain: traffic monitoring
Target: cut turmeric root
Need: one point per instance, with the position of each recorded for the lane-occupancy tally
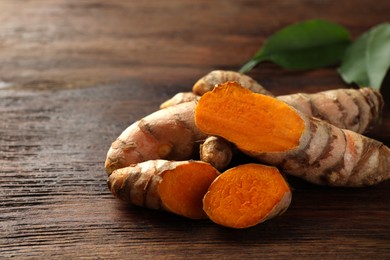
(358, 110)
(277, 134)
(247, 195)
(174, 186)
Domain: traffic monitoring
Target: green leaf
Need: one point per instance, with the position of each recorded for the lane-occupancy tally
(306, 45)
(367, 60)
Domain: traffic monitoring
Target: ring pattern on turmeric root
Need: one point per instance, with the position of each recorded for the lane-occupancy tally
(247, 195)
(357, 110)
(174, 186)
(168, 134)
(277, 134)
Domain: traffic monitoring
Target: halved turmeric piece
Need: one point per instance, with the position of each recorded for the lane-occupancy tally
(254, 122)
(247, 195)
(277, 134)
(174, 186)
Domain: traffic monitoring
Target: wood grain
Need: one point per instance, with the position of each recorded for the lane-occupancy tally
(74, 74)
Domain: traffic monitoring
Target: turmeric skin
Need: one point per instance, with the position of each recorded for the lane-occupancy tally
(247, 195)
(174, 186)
(279, 135)
(357, 110)
(179, 98)
(216, 151)
(208, 82)
(168, 134)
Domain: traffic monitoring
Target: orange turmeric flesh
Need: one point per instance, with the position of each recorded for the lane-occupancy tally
(254, 122)
(247, 195)
(183, 188)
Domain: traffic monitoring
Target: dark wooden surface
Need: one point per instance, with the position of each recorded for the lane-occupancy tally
(74, 74)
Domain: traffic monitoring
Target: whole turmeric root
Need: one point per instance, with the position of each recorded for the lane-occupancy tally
(208, 82)
(168, 134)
(216, 151)
(174, 186)
(247, 195)
(277, 134)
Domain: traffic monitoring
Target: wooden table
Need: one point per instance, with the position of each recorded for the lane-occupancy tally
(74, 74)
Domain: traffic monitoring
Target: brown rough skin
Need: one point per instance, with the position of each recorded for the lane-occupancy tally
(179, 98)
(208, 82)
(168, 134)
(357, 110)
(247, 195)
(174, 186)
(216, 151)
(277, 134)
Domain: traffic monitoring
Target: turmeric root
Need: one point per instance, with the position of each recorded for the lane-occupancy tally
(208, 82)
(247, 195)
(277, 134)
(168, 134)
(216, 151)
(177, 187)
(179, 98)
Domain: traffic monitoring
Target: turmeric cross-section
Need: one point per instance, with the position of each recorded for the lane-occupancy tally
(247, 195)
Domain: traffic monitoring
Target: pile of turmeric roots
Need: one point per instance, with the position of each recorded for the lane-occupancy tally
(177, 159)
